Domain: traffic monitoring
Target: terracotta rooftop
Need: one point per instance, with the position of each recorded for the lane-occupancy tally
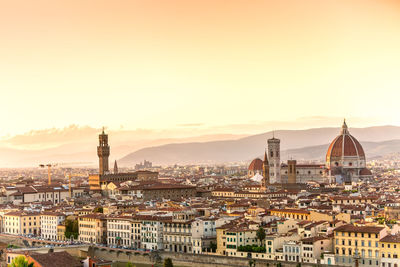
(359, 229)
(391, 238)
(55, 259)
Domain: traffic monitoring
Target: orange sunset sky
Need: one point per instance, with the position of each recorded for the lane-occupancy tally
(200, 64)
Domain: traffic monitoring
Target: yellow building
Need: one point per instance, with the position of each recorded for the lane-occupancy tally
(329, 216)
(61, 232)
(364, 239)
(221, 241)
(390, 250)
(93, 228)
(296, 214)
(22, 223)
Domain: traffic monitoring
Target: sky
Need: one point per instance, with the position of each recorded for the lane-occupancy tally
(209, 66)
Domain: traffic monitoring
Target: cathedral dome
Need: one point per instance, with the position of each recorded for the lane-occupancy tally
(345, 145)
(345, 150)
(256, 165)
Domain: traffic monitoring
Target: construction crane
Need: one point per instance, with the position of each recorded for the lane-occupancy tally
(48, 170)
(68, 174)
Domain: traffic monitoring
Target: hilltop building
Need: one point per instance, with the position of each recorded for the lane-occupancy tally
(145, 165)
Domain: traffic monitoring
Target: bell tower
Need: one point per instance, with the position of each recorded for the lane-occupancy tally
(292, 173)
(103, 151)
(274, 147)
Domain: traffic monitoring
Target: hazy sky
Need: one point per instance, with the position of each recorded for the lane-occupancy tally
(161, 64)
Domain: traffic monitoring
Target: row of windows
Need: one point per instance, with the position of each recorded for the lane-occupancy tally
(292, 249)
(356, 243)
(357, 234)
(350, 252)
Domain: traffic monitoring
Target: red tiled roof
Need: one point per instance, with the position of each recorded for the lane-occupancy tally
(256, 165)
(359, 229)
(345, 145)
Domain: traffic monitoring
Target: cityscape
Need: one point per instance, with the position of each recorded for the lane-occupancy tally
(200, 133)
(343, 211)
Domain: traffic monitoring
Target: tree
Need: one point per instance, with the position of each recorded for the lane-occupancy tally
(213, 246)
(98, 210)
(298, 264)
(20, 261)
(71, 229)
(168, 263)
(261, 234)
(129, 264)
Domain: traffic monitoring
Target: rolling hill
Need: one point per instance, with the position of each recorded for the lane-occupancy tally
(308, 144)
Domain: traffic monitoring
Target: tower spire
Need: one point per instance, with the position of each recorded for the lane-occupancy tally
(265, 180)
(115, 167)
(265, 156)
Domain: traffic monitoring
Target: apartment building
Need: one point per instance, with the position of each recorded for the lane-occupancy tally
(93, 228)
(312, 248)
(151, 232)
(350, 240)
(22, 223)
(178, 232)
(119, 231)
(48, 224)
(390, 250)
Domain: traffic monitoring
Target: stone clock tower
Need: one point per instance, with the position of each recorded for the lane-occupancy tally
(103, 151)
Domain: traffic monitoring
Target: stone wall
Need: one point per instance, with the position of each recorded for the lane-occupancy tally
(185, 259)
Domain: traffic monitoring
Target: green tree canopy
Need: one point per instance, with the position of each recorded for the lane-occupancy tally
(71, 228)
(98, 210)
(20, 261)
(261, 234)
(168, 263)
(213, 246)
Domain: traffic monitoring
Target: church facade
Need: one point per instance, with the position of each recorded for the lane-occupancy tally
(345, 162)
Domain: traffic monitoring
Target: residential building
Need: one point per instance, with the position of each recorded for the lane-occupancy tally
(363, 239)
(22, 223)
(48, 224)
(390, 250)
(93, 228)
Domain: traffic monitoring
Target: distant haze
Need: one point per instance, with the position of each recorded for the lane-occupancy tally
(77, 145)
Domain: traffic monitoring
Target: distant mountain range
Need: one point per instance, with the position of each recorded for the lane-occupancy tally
(303, 145)
(130, 149)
